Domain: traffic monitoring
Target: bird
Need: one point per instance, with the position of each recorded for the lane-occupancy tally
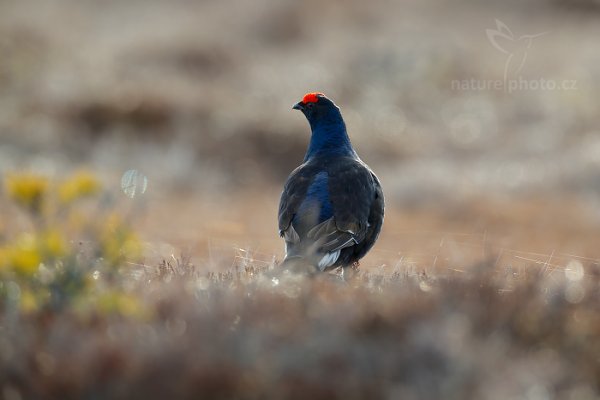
(332, 206)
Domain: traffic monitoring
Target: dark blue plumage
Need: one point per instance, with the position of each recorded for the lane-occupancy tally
(332, 206)
(317, 195)
(329, 137)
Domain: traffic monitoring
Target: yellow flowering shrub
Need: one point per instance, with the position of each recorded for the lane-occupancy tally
(52, 244)
(117, 242)
(120, 303)
(82, 184)
(29, 301)
(27, 190)
(22, 256)
(45, 262)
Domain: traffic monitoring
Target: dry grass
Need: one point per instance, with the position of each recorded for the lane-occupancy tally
(254, 333)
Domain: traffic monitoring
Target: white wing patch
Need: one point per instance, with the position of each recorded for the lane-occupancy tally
(328, 260)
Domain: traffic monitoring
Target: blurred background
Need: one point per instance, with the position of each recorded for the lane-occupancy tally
(480, 118)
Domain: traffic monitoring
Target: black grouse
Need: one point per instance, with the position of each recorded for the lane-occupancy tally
(331, 208)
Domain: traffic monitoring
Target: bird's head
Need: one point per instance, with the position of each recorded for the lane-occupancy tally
(315, 106)
(327, 125)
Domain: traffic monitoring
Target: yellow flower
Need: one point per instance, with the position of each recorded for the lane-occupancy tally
(80, 185)
(118, 242)
(28, 251)
(27, 189)
(4, 254)
(52, 244)
(23, 256)
(28, 302)
(120, 303)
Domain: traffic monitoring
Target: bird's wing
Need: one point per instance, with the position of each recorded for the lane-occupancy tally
(352, 191)
(376, 215)
(351, 195)
(293, 194)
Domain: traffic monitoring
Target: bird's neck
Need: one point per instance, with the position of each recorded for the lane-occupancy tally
(329, 138)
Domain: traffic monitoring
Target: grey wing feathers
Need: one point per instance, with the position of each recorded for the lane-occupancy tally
(329, 238)
(293, 193)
